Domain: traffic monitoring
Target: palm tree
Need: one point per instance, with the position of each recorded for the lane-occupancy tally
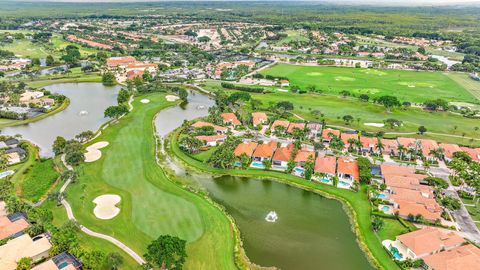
(412, 152)
(380, 145)
(401, 149)
(267, 163)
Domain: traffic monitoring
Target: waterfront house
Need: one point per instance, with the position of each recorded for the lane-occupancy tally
(218, 129)
(302, 157)
(264, 151)
(282, 156)
(259, 118)
(427, 241)
(463, 257)
(23, 247)
(347, 169)
(328, 133)
(212, 140)
(230, 119)
(246, 148)
(326, 165)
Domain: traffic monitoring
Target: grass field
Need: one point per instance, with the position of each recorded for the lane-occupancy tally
(38, 180)
(293, 35)
(413, 86)
(59, 43)
(151, 204)
(357, 201)
(25, 48)
(391, 229)
(471, 85)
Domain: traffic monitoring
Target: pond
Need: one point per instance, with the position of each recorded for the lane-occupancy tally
(88, 101)
(311, 232)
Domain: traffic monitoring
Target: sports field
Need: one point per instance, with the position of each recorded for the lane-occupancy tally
(413, 86)
(151, 204)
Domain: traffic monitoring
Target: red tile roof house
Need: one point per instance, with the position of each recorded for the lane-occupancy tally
(473, 153)
(369, 145)
(427, 241)
(114, 62)
(264, 151)
(281, 157)
(293, 126)
(325, 168)
(212, 140)
(347, 171)
(408, 143)
(302, 157)
(426, 147)
(390, 147)
(259, 118)
(449, 149)
(277, 123)
(345, 137)
(218, 129)
(460, 258)
(246, 148)
(230, 119)
(327, 134)
(11, 226)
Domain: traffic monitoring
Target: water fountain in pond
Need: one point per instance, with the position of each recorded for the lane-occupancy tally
(271, 216)
(83, 113)
(201, 107)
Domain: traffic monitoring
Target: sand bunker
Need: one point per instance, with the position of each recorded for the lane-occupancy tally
(374, 124)
(93, 151)
(145, 101)
(171, 98)
(106, 206)
(314, 74)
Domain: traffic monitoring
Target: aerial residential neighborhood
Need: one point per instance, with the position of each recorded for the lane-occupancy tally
(294, 135)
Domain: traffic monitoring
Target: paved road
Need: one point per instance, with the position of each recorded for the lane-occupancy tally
(462, 217)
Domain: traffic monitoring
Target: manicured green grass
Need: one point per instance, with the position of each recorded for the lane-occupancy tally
(391, 228)
(357, 201)
(413, 86)
(25, 48)
(204, 155)
(38, 180)
(463, 79)
(59, 44)
(293, 35)
(151, 204)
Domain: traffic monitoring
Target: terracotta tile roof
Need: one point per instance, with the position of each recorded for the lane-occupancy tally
(258, 118)
(449, 149)
(430, 240)
(200, 124)
(346, 136)
(283, 153)
(427, 146)
(368, 142)
(245, 148)
(303, 155)
(293, 126)
(230, 118)
(264, 151)
(326, 164)
(132, 74)
(473, 153)
(396, 170)
(326, 132)
(20, 247)
(396, 181)
(390, 145)
(120, 61)
(283, 123)
(8, 228)
(140, 65)
(461, 258)
(211, 138)
(348, 166)
(407, 142)
(408, 207)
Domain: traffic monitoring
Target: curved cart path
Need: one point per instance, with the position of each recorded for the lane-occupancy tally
(86, 230)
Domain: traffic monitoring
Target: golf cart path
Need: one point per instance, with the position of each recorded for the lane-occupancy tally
(86, 230)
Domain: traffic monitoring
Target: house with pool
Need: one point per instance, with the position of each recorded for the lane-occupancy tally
(302, 156)
(422, 243)
(347, 172)
(463, 257)
(263, 152)
(281, 157)
(212, 140)
(325, 169)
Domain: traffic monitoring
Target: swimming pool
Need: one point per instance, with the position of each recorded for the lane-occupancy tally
(299, 170)
(396, 254)
(325, 181)
(257, 164)
(381, 196)
(344, 183)
(386, 208)
(6, 173)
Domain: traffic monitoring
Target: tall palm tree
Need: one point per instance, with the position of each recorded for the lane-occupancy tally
(380, 146)
(401, 150)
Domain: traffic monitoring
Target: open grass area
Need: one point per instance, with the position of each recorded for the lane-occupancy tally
(391, 229)
(468, 83)
(59, 44)
(151, 204)
(38, 180)
(413, 86)
(204, 155)
(293, 35)
(25, 48)
(357, 202)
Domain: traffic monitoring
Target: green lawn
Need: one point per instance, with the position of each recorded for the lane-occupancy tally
(391, 228)
(59, 43)
(463, 79)
(151, 204)
(293, 35)
(25, 48)
(413, 86)
(204, 155)
(38, 180)
(358, 202)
